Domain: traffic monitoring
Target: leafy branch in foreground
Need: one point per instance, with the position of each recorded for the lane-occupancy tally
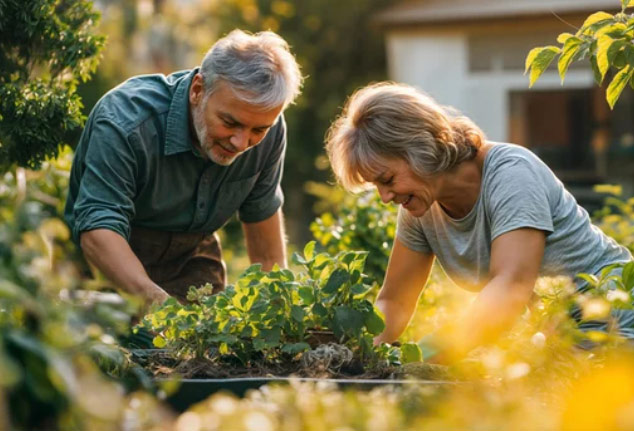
(605, 39)
(275, 315)
(46, 48)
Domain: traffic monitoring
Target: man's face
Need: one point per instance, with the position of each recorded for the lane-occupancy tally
(225, 125)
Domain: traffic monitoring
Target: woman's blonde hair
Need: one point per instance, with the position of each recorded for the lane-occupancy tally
(388, 120)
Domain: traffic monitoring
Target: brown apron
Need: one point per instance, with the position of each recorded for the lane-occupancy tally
(177, 260)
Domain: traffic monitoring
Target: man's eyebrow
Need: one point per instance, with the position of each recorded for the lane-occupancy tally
(228, 117)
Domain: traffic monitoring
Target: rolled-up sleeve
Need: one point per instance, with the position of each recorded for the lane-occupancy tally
(107, 186)
(266, 196)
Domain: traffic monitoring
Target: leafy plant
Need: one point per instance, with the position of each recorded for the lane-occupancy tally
(362, 222)
(616, 219)
(274, 315)
(604, 39)
(46, 48)
(60, 365)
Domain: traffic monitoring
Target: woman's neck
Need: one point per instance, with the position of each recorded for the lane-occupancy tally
(460, 187)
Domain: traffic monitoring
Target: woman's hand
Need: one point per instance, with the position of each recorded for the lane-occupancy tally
(407, 274)
(516, 257)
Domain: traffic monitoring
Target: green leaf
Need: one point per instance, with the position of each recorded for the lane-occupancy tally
(271, 336)
(629, 54)
(321, 260)
(10, 371)
(374, 323)
(348, 320)
(348, 257)
(595, 70)
(618, 84)
(603, 44)
(309, 251)
(159, 342)
(411, 352)
(294, 348)
(223, 338)
(571, 47)
(306, 294)
(597, 18)
(247, 332)
(297, 313)
(336, 280)
(538, 60)
(628, 276)
(319, 310)
(297, 259)
(592, 280)
(563, 37)
(360, 289)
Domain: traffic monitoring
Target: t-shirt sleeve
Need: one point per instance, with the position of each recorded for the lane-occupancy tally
(516, 197)
(105, 198)
(410, 232)
(266, 196)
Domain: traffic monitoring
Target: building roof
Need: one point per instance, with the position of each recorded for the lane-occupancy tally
(438, 11)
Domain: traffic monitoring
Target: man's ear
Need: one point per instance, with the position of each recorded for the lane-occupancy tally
(196, 90)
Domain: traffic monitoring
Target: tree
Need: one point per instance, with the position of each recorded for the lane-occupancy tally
(605, 39)
(46, 48)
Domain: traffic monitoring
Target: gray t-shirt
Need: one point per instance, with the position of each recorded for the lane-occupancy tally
(518, 191)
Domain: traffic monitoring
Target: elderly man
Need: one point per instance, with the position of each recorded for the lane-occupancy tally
(164, 161)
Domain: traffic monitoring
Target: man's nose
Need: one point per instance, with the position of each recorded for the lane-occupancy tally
(240, 140)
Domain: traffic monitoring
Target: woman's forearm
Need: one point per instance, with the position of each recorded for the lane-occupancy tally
(495, 310)
(397, 317)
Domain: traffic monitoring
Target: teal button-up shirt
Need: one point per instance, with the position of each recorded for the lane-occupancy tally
(136, 165)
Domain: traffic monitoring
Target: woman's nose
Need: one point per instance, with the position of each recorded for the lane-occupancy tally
(386, 195)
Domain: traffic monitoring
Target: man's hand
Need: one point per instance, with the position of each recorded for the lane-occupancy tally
(112, 255)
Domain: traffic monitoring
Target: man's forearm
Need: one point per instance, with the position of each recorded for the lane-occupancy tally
(112, 255)
(266, 243)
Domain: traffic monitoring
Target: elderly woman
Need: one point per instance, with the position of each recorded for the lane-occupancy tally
(494, 215)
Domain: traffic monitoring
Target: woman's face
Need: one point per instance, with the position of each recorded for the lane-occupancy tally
(396, 182)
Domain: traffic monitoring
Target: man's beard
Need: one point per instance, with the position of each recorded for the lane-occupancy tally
(206, 146)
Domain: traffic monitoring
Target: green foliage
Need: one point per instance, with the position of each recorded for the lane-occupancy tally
(54, 338)
(604, 39)
(616, 219)
(274, 315)
(362, 222)
(46, 49)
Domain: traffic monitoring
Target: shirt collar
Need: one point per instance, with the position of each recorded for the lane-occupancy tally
(178, 138)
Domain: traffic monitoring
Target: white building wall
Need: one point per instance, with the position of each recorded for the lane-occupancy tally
(435, 64)
(438, 64)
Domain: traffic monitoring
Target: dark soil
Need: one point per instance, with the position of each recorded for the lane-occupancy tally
(161, 364)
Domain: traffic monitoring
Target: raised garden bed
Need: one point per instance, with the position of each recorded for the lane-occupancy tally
(192, 391)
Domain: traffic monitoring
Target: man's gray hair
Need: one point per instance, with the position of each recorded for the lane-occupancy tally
(387, 120)
(259, 68)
